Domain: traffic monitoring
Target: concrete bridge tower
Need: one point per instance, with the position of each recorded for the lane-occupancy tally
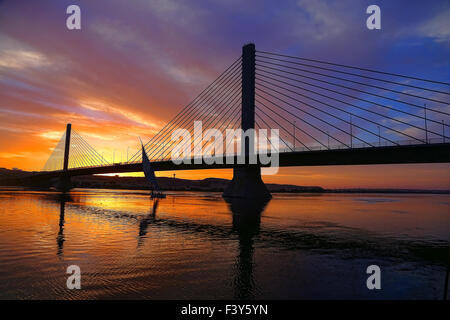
(63, 183)
(247, 182)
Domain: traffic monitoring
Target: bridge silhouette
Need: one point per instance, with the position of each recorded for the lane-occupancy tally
(326, 113)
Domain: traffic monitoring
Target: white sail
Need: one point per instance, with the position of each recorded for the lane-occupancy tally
(148, 170)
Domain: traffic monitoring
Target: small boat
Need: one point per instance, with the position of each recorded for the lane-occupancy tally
(150, 176)
(157, 195)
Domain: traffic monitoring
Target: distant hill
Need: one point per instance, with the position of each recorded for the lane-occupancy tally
(117, 182)
(208, 184)
(14, 173)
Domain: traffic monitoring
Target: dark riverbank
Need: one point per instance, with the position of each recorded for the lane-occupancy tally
(208, 184)
(175, 184)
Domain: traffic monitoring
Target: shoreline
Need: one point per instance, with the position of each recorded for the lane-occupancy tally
(204, 185)
(325, 191)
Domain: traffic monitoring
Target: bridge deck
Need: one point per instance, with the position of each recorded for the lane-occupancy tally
(423, 153)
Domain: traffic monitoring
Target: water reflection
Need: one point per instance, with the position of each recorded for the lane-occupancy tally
(62, 199)
(60, 238)
(195, 245)
(246, 222)
(143, 225)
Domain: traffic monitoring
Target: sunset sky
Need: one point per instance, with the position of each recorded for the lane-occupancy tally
(135, 64)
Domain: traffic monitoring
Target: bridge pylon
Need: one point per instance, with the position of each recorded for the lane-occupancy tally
(64, 183)
(67, 147)
(247, 182)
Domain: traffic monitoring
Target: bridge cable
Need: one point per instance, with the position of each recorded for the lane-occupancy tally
(208, 93)
(226, 117)
(220, 104)
(267, 136)
(257, 115)
(279, 115)
(236, 110)
(192, 106)
(184, 113)
(362, 76)
(347, 112)
(213, 106)
(234, 99)
(193, 102)
(220, 94)
(237, 119)
(236, 125)
(87, 153)
(344, 94)
(350, 104)
(294, 138)
(358, 68)
(402, 133)
(308, 113)
(91, 153)
(356, 82)
(211, 95)
(84, 154)
(58, 152)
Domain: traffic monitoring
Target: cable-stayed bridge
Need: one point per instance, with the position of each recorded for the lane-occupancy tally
(326, 114)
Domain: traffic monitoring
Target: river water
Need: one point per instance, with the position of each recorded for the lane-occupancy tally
(194, 245)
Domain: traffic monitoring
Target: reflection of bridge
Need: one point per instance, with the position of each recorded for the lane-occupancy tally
(248, 233)
(327, 114)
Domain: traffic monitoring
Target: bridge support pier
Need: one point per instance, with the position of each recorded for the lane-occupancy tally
(248, 184)
(63, 184)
